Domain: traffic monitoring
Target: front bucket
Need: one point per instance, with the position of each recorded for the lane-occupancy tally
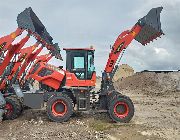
(151, 26)
(29, 21)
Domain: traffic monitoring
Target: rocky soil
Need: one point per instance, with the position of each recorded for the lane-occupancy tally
(157, 116)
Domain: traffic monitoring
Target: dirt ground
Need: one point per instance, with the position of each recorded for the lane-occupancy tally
(157, 117)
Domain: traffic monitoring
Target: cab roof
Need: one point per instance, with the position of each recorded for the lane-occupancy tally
(86, 49)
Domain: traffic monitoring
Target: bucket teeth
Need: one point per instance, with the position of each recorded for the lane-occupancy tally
(47, 37)
(151, 26)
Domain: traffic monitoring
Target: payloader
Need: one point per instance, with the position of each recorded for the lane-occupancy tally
(64, 91)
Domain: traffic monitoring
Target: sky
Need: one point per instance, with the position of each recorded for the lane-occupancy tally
(82, 23)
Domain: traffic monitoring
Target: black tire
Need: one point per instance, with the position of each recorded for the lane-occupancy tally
(13, 108)
(70, 95)
(121, 109)
(112, 95)
(60, 108)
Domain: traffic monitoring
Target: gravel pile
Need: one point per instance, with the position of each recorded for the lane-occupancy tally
(151, 81)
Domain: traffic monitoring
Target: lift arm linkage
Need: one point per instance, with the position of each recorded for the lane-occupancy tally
(144, 31)
(121, 43)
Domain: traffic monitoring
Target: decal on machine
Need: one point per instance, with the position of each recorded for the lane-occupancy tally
(119, 48)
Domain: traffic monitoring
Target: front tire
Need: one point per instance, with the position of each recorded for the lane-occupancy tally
(121, 109)
(60, 108)
(13, 108)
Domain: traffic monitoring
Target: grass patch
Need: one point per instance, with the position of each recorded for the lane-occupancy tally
(99, 125)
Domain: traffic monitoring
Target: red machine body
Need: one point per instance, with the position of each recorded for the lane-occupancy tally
(71, 86)
(48, 75)
(11, 51)
(73, 81)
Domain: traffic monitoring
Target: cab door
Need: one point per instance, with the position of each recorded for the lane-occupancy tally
(80, 68)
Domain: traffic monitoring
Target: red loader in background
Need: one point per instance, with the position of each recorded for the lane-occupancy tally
(66, 90)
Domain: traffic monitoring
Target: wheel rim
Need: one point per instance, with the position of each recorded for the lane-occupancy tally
(9, 109)
(59, 108)
(121, 109)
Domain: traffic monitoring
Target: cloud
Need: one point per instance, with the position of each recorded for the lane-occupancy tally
(162, 54)
(83, 23)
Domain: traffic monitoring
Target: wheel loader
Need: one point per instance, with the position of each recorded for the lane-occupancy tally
(64, 91)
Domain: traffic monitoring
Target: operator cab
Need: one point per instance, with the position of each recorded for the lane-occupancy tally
(80, 62)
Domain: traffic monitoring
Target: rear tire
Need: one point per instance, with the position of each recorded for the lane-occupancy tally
(13, 108)
(60, 108)
(121, 109)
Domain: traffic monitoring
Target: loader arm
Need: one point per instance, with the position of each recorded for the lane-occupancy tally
(12, 69)
(30, 59)
(144, 31)
(121, 43)
(12, 50)
(18, 65)
(28, 66)
(27, 21)
(5, 42)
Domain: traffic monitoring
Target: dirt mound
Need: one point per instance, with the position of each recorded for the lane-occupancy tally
(123, 71)
(150, 81)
